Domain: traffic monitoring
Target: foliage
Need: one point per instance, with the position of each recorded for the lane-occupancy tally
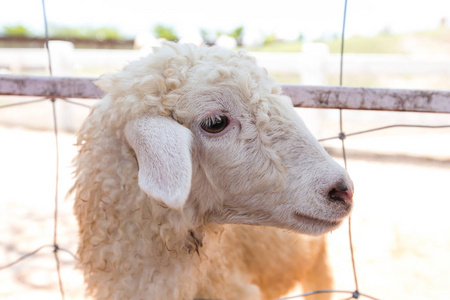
(166, 32)
(16, 31)
(209, 37)
(100, 34)
(237, 34)
(270, 39)
(107, 33)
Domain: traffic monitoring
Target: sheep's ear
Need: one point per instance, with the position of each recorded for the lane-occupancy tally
(163, 150)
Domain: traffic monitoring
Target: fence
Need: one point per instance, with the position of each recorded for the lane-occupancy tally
(302, 96)
(64, 89)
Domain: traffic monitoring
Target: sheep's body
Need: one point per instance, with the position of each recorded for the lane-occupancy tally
(265, 263)
(159, 210)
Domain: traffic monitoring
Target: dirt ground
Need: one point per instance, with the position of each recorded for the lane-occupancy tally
(401, 224)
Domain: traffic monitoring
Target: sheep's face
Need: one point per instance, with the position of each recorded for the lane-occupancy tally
(258, 164)
(238, 153)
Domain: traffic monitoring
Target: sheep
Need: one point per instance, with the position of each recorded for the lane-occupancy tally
(195, 178)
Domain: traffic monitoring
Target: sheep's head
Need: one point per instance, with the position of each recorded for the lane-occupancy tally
(215, 140)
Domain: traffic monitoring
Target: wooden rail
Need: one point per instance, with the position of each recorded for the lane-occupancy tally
(437, 101)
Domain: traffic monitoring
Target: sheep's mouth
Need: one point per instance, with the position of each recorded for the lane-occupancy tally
(307, 220)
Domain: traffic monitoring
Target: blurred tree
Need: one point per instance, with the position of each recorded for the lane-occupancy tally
(209, 37)
(238, 35)
(100, 34)
(106, 33)
(16, 31)
(66, 32)
(270, 39)
(166, 32)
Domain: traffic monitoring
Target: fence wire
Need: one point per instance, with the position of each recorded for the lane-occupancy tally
(56, 248)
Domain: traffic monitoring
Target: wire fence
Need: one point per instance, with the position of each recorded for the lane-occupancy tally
(57, 248)
(440, 103)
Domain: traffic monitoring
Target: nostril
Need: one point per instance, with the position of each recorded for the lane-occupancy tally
(334, 195)
(340, 193)
(342, 187)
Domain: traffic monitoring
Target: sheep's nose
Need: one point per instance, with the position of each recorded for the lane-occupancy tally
(341, 193)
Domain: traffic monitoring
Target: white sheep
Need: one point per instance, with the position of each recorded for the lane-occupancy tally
(189, 147)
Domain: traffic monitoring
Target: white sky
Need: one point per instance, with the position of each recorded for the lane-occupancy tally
(286, 18)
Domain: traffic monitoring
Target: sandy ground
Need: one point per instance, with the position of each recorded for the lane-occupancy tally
(401, 228)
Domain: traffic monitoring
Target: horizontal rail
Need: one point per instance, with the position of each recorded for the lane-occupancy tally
(437, 101)
(51, 87)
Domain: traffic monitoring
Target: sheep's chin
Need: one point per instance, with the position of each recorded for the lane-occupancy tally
(315, 226)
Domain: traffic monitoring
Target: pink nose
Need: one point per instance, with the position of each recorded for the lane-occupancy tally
(341, 193)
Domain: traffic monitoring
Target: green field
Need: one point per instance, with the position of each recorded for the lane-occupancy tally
(436, 41)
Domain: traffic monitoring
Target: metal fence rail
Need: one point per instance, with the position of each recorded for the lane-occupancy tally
(437, 101)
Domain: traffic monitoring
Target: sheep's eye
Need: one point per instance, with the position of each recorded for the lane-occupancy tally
(215, 123)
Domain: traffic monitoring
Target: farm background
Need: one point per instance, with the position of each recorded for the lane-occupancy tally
(400, 224)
